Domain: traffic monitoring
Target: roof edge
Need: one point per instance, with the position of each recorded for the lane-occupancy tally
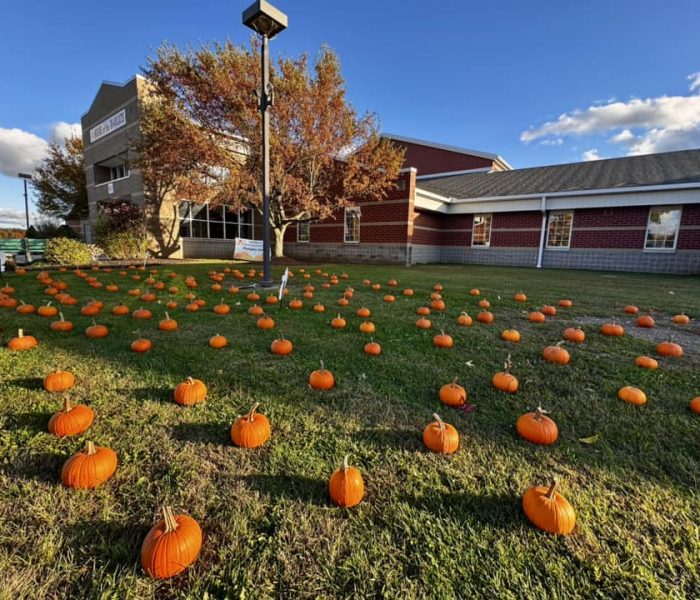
(113, 84)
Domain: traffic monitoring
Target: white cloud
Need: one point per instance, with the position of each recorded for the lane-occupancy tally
(624, 137)
(61, 131)
(591, 154)
(694, 81)
(22, 151)
(662, 124)
(14, 217)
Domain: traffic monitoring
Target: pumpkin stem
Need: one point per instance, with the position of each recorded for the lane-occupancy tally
(322, 367)
(20, 333)
(508, 365)
(90, 448)
(67, 405)
(455, 380)
(346, 465)
(169, 518)
(550, 491)
(440, 422)
(167, 316)
(251, 414)
(60, 314)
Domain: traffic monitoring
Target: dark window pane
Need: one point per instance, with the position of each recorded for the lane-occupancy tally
(199, 211)
(199, 229)
(185, 229)
(231, 230)
(216, 230)
(216, 213)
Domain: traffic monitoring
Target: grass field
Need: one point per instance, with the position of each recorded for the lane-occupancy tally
(430, 525)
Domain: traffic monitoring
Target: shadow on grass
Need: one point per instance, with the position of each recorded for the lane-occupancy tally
(408, 439)
(110, 544)
(28, 383)
(290, 487)
(500, 511)
(34, 422)
(148, 394)
(43, 467)
(203, 433)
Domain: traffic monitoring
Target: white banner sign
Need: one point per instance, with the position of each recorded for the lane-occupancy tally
(248, 249)
(2, 262)
(108, 125)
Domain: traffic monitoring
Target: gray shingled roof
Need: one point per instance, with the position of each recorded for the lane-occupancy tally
(631, 171)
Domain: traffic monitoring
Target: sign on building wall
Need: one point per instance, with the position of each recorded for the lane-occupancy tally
(248, 249)
(108, 125)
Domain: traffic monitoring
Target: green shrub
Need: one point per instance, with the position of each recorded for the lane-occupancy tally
(64, 251)
(122, 245)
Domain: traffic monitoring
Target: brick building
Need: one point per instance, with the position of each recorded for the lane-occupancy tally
(451, 205)
(454, 205)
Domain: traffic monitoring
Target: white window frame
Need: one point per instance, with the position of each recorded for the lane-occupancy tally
(677, 207)
(488, 240)
(356, 210)
(571, 228)
(308, 225)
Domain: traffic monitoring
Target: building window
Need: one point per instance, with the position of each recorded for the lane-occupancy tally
(481, 231)
(303, 231)
(118, 172)
(559, 229)
(352, 225)
(219, 222)
(662, 228)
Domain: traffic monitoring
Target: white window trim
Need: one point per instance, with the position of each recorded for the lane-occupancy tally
(679, 208)
(571, 229)
(113, 180)
(488, 242)
(355, 209)
(303, 241)
(190, 220)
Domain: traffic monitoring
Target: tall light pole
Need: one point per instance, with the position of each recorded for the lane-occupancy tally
(267, 21)
(26, 177)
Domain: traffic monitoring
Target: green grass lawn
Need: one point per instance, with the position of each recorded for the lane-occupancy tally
(430, 525)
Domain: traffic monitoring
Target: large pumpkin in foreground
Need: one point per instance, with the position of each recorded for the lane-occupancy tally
(548, 510)
(346, 486)
(171, 545)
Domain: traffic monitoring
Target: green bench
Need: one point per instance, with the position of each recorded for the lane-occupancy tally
(15, 247)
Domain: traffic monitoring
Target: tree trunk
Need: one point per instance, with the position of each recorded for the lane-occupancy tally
(279, 239)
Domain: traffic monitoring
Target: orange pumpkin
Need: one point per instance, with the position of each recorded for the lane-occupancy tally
(520, 297)
(142, 314)
(438, 305)
(695, 405)
(556, 354)
(548, 311)
(484, 304)
(47, 310)
(565, 303)
(265, 322)
(453, 394)
(632, 395)
(464, 320)
(190, 392)
(281, 346)
(25, 309)
(645, 321)
(408, 292)
(669, 349)
(217, 342)
(141, 345)
(71, 419)
(251, 430)
(423, 323)
(120, 310)
(389, 298)
(296, 304)
(423, 311)
(61, 325)
(255, 310)
(338, 322)
(504, 380)
(346, 486)
(485, 317)
(363, 312)
(372, 348)
(367, 327)
(319, 308)
(167, 324)
(475, 292)
(171, 545)
(511, 335)
(574, 334)
(681, 319)
(96, 331)
(548, 510)
(536, 317)
(612, 329)
(59, 381)
(321, 379)
(440, 437)
(646, 362)
(222, 308)
(537, 427)
(631, 310)
(443, 340)
(89, 468)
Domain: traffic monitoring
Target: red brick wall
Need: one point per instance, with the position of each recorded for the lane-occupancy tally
(689, 239)
(433, 160)
(633, 216)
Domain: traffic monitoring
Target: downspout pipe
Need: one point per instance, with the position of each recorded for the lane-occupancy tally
(543, 210)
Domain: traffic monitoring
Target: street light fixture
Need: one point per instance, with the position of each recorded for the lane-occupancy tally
(267, 21)
(26, 177)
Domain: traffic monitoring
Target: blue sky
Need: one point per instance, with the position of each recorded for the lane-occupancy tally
(538, 82)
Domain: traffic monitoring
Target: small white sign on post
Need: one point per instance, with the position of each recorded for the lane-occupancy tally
(283, 283)
(2, 262)
(248, 250)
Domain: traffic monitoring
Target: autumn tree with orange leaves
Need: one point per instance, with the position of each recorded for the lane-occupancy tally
(324, 156)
